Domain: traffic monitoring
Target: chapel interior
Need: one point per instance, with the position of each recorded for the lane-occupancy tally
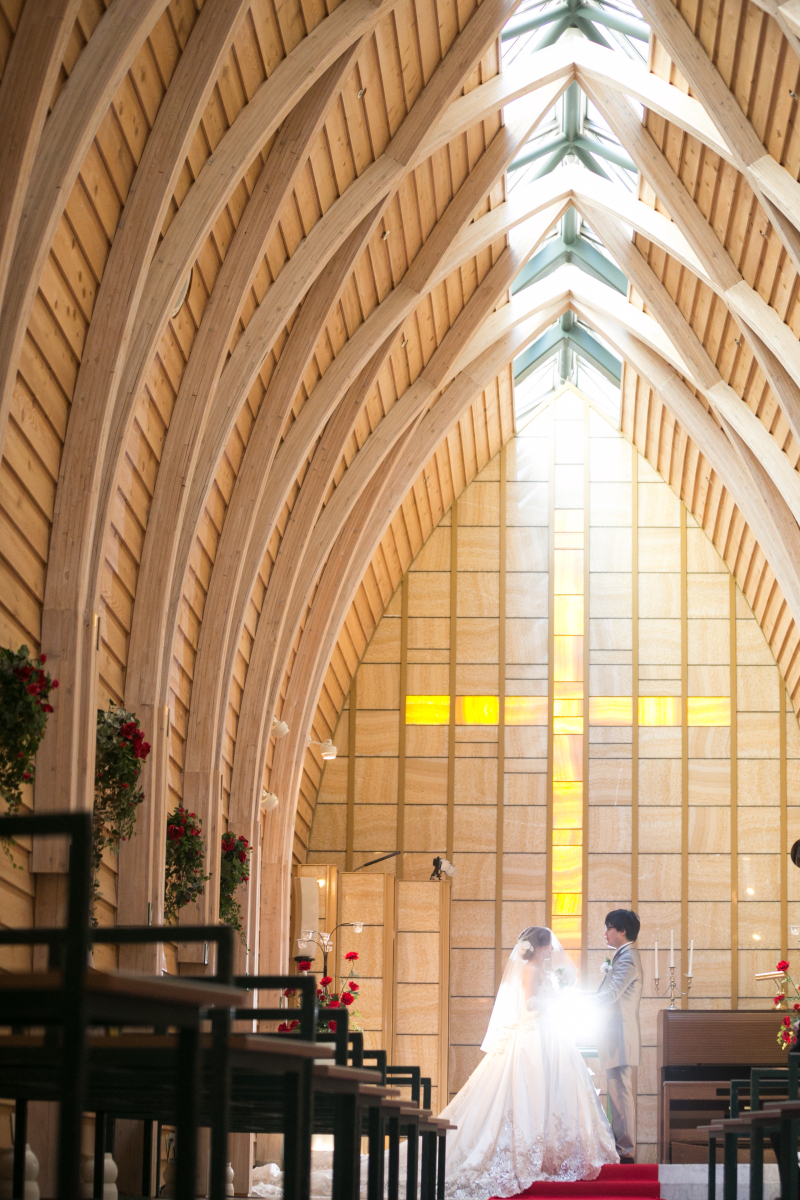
(400, 472)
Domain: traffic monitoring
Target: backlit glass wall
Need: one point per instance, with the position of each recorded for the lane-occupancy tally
(569, 698)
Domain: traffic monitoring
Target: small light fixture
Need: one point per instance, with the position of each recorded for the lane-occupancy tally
(442, 867)
(327, 749)
(279, 729)
(358, 926)
(756, 937)
(362, 93)
(751, 891)
(268, 801)
(404, 342)
(385, 234)
(321, 883)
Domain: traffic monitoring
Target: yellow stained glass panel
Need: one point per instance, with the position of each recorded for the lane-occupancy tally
(526, 710)
(568, 572)
(568, 691)
(572, 707)
(568, 520)
(567, 904)
(427, 710)
(568, 659)
(610, 710)
(567, 837)
(567, 724)
(659, 710)
(568, 932)
(567, 868)
(709, 710)
(567, 805)
(477, 710)
(568, 616)
(567, 758)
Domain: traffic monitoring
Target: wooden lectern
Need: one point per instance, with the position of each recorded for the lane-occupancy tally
(698, 1055)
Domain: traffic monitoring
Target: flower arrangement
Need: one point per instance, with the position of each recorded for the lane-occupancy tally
(120, 751)
(24, 707)
(186, 852)
(790, 1024)
(329, 997)
(234, 869)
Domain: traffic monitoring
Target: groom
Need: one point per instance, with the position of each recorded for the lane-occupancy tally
(618, 1045)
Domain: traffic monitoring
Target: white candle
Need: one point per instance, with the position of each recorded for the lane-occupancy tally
(655, 954)
(691, 956)
(672, 947)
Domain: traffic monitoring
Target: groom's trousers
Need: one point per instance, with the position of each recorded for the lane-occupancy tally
(622, 1109)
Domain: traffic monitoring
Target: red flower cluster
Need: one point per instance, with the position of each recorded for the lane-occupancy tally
(325, 981)
(129, 731)
(779, 998)
(351, 956)
(289, 1027)
(304, 965)
(36, 685)
(782, 965)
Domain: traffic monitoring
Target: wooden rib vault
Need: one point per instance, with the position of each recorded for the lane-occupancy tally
(258, 314)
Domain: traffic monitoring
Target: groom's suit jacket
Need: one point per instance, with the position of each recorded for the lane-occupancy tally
(619, 994)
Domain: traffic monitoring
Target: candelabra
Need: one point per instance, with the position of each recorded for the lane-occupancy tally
(671, 987)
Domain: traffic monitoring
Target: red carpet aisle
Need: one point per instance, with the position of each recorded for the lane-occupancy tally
(638, 1182)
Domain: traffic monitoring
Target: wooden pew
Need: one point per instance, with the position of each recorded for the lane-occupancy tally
(699, 1053)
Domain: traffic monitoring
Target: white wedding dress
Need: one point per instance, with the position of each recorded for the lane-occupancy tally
(529, 1111)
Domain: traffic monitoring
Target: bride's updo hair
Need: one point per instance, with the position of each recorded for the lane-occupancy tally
(535, 936)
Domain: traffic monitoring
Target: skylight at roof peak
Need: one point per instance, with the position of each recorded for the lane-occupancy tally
(574, 134)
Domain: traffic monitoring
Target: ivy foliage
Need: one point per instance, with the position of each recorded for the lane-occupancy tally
(24, 708)
(234, 870)
(120, 752)
(186, 852)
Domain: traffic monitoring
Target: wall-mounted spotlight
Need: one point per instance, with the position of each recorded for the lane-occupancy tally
(279, 729)
(268, 801)
(442, 867)
(327, 749)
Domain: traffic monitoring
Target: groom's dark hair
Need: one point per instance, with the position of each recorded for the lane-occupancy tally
(624, 920)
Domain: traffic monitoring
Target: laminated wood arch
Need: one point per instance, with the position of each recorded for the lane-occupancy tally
(256, 265)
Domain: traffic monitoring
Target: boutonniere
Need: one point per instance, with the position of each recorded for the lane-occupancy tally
(606, 967)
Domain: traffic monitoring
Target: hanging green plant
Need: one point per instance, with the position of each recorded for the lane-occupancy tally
(120, 751)
(24, 693)
(186, 852)
(234, 869)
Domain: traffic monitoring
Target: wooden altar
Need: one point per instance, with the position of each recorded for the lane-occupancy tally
(698, 1055)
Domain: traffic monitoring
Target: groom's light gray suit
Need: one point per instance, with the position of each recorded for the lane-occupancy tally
(619, 1043)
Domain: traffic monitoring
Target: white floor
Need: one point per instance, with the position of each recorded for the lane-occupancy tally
(690, 1181)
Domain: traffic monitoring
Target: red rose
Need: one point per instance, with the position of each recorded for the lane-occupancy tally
(332, 1026)
(242, 856)
(347, 998)
(786, 1021)
(174, 833)
(334, 1004)
(48, 708)
(779, 998)
(54, 684)
(796, 1007)
(26, 775)
(304, 965)
(32, 689)
(42, 658)
(283, 1027)
(353, 987)
(289, 992)
(782, 965)
(326, 979)
(351, 956)
(786, 1035)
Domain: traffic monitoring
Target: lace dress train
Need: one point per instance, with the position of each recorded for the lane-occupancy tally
(528, 1112)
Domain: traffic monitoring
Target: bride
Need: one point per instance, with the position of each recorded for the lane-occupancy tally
(529, 1110)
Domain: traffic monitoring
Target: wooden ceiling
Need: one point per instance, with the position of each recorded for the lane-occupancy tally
(256, 334)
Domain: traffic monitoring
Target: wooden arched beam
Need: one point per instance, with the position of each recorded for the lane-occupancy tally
(253, 234)
(282, 609)
(704, 373)
(66, 757)
(445, 82)
(742, 300)
(776, 190)
(26, 90)
(70, 129)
